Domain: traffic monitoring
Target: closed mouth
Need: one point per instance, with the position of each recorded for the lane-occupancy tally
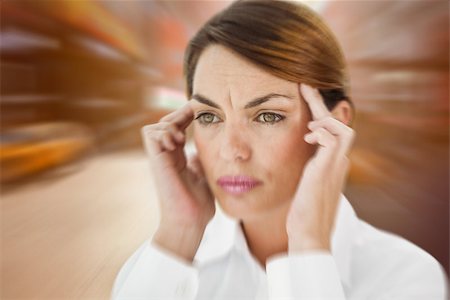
(238, 184)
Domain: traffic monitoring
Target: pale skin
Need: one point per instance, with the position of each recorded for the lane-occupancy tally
(290, 142)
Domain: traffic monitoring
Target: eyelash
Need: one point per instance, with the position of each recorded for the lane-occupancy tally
(278, 117)
(202, 122)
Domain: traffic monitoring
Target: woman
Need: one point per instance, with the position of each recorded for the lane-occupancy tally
(271, 118)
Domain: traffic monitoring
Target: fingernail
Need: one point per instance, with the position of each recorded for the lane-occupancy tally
(307, 137)
(306, 86)
(302, 86)
(307, 89)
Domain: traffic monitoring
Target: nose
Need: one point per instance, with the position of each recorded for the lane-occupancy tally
(235, 145)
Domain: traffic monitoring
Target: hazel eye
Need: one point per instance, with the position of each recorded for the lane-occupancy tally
(207, 118)
(269, 118)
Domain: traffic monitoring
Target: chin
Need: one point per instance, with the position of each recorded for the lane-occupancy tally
(247, 207)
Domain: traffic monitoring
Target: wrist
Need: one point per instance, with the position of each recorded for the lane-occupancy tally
(305, 243)
(180, 241)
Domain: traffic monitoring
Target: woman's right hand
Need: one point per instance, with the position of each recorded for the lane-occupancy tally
(186, 202)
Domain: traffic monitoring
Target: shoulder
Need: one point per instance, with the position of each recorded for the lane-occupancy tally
(395, 263)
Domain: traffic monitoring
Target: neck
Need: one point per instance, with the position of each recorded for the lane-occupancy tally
(266, 235)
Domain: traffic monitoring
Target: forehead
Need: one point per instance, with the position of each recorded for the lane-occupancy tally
(222, 73)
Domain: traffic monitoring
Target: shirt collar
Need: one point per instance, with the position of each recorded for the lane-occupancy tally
(223, 234)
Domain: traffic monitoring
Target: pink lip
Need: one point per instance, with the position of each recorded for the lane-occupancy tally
(236, 185)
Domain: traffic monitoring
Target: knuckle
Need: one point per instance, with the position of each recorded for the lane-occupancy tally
(169, 127)
(146, 129)
(329, 119)
(164, 135)
(172, 127)
(332, 141)
(164, 124)
(348, 133)
(152, 139)
(321, 131)
(164, 118)
(145, 133)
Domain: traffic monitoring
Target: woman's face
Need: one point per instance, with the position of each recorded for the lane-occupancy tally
(253, 153)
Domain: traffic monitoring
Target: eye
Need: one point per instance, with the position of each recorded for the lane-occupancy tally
(207, 118)
(269, 118)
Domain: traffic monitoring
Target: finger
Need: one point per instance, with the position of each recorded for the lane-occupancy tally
(177, 134)
(328, 144)
(321, 137)
(167, 141)
(173, 115)
(157, 141)
(182, 117)
(315, 102)
(151, 143)
(333, 125)
(344, 133)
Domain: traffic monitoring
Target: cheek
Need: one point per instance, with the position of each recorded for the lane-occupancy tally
(288, 154)
(205, 149)
(200, 144)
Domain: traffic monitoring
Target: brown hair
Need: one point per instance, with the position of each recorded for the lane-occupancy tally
(289, 40)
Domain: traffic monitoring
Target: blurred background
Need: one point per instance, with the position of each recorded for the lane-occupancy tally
(80, 78)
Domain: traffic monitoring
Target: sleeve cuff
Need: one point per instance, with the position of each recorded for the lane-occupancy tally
(157, 274)
(304, 276)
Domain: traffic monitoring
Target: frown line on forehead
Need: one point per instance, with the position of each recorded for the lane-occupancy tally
(255, 102)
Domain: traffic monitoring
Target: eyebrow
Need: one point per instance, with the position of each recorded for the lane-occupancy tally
(253, 103)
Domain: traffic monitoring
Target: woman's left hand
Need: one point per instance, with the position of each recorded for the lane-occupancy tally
(313, 211)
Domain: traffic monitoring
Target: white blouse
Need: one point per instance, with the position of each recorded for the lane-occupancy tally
(364, 263)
